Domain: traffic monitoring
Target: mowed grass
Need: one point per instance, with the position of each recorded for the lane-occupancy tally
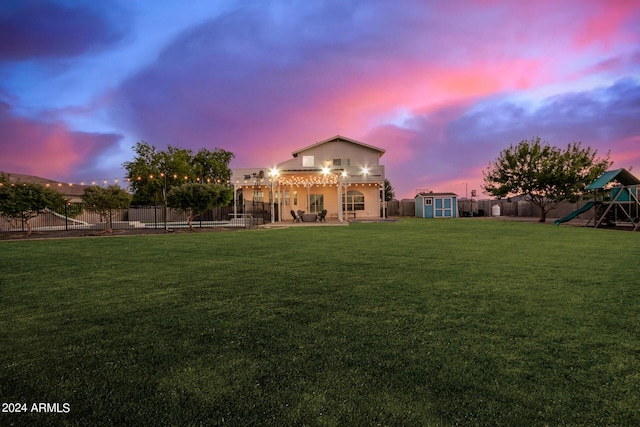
(420, 322)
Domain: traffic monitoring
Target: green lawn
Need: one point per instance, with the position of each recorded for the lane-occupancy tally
(420, 322)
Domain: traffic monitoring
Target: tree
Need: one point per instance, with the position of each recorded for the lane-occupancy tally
(195, 199)
(104, 200)
(389, 193)
(21, 202)
(545, 175)
(152, 172)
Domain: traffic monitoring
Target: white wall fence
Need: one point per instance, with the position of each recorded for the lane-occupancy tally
(134, 217)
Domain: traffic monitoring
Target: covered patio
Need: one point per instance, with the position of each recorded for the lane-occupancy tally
(345, 193)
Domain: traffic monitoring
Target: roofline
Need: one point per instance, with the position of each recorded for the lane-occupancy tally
(435, 194)
(353, 141)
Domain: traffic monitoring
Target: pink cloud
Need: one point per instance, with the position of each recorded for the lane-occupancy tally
(627, 153)
(604, 23)
(47, 149)
(449, 67)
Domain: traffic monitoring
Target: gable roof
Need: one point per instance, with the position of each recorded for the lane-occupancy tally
(622, 176)
(339, 138)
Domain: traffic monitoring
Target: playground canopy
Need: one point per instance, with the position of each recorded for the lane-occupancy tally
(621, 176)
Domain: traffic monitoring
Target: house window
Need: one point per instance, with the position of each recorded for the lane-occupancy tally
(308, 162)
(287, 198)
(295, 198)
(337, 162)
(258, 196)
(316, 202)
(354, 201)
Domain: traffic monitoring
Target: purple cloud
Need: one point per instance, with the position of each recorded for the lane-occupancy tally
(35, 29)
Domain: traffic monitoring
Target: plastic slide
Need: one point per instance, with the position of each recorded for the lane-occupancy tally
(574, 214)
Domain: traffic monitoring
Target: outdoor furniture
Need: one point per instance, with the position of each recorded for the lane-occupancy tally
(322, 216)
(310, 217)
(296, 218)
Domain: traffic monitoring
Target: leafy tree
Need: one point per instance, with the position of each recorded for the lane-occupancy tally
(212, 166)
(104, 200)
(389, 193)
(152, 172)
(20, 202)
(545, 175)
(195, 199)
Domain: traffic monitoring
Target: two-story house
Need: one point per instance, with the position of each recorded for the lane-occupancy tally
(339, 175)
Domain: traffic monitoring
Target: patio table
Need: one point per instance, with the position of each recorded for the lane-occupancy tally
(308, 217)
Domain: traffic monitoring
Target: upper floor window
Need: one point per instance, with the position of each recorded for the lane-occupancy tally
(308, 161)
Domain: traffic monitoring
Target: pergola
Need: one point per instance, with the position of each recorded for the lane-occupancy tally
(341, 178)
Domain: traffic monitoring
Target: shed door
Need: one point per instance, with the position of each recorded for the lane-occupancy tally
(443, 208)
(428, 207)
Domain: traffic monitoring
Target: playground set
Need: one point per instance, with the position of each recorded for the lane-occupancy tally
(616, 201)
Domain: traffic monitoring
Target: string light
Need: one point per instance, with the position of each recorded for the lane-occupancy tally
(308, 180)
(128, 180)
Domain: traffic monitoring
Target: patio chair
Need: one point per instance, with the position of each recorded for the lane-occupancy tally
(296, 218)
(322, 216)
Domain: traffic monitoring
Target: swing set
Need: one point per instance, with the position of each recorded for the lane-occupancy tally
(616, 200)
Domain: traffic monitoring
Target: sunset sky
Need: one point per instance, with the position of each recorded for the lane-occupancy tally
(442, 86)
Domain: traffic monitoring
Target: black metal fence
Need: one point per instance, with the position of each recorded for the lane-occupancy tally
(75, 217)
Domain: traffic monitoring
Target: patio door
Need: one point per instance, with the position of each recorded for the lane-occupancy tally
(316, 203)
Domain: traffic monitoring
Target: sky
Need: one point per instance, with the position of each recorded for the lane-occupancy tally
(442, 86)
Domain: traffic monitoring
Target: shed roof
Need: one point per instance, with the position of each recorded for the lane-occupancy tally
(621, 176)
(434, 194)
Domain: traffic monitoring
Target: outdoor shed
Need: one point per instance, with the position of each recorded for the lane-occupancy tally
(436, 205)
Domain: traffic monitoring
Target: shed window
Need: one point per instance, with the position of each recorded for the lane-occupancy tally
(428, 201)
